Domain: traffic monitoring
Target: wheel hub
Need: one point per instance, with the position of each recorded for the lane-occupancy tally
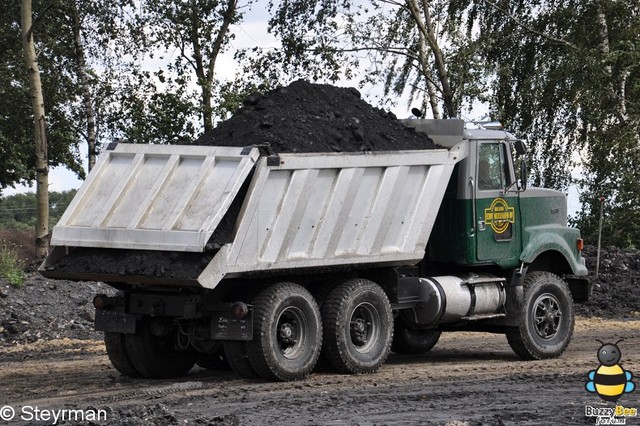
(359, 331)
(287, 334)
(364, 327)
(291, 332)
(546, 315)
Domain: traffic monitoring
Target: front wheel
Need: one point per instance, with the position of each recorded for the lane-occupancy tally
(547, 320)
(358, 327)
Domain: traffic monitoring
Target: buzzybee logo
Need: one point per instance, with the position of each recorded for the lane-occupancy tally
(610, 381)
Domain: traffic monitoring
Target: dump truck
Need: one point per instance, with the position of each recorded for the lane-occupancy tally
(268, 261)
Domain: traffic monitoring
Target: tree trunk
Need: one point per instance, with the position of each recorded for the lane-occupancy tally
(86, 87)
(227, 18)
(198, 58)
(426, 72)
(39, 122)
(207, 110)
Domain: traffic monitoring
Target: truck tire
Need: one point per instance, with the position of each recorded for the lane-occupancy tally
(358, 327)
(156, 357)
(547, 320)
(287, 332)
(236, 355)
(117, 352)
(410, 341)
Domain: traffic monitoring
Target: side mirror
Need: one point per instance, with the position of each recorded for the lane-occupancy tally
(521, 147)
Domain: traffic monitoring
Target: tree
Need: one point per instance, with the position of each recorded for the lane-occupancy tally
(19, 211)
(568, 76)
(408, 46)
(17, 132)
(200, 31)
(39, 122)
(77, 26)
(564, 74)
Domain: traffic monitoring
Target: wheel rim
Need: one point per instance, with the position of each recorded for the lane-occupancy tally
(546, 314)
(292, 332)
(364, 327)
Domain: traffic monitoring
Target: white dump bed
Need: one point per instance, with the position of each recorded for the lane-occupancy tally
(300, 210)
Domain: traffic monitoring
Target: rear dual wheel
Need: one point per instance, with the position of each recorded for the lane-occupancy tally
(117, 352)
(354, 332)
(238, 359)
(358, 327)
(145, 355)
(287, 331)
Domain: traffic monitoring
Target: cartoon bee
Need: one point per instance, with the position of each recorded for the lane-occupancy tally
(610, 380)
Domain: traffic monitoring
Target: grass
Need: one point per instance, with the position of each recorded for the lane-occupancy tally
(11, 267)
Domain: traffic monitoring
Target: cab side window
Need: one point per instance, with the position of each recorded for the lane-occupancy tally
(490, 167)
(493, 167)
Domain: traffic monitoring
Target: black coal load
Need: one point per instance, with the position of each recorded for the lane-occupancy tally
(307, 117)
(300, 118)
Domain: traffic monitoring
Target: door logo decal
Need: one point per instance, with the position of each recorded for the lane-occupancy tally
(499, 215)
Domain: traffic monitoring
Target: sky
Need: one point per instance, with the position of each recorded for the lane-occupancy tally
(252, 32)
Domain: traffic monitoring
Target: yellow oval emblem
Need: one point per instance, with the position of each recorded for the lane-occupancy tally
(499, 215)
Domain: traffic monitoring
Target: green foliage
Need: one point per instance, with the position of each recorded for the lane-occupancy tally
(127, 102)
(11, 267)
(567, 76)
(232, 93)
(558, 75)
(135, 109)
(409, 47)
(19, 211)
(200, 31)
(17, 156)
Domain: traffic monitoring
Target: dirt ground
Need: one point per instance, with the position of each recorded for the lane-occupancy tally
(467, 379)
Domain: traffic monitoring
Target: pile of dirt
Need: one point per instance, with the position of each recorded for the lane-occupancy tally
(23, 242)
(44, 309)
(615, 291)
(142, 263)
(307, 117)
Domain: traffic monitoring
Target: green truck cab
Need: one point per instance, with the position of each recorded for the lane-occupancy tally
(491, 223)
(489, 216)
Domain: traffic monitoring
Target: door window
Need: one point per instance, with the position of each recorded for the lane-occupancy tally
(492, 167)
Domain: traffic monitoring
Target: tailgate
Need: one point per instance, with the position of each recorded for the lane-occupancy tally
(155, 197)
